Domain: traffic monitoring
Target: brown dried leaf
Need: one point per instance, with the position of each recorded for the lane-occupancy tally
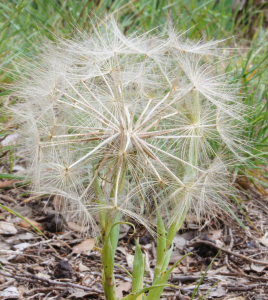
(123, 286)
(24, 224)
(5, 183)
(85, 246)
(212, 235)
(75, 227)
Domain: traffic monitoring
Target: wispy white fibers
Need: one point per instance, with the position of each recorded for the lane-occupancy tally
(141, 114)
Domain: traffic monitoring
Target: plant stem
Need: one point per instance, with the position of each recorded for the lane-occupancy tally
(108, 269)
(111, 234)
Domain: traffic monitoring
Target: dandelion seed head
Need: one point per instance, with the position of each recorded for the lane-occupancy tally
(139, 114)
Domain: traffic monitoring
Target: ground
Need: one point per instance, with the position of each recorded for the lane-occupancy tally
(65, 264)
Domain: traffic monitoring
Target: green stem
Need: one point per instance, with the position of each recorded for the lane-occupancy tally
(108, 269)
(110, 237)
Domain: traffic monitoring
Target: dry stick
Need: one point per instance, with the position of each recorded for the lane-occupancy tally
(63, 293)
(260, 262)
(36, 279)
(231, 245)
(240, 272)
(6, 284)
(246, 288)
(46, 289)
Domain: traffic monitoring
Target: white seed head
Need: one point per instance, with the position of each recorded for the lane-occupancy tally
(139, 113)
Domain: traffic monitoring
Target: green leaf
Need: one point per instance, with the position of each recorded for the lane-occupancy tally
(204, 275)
(161, 280)
(20, 216)
(167, 259)
(138, 269)
(114, 235)
(161, 245)
(11, 176)
(135, 295)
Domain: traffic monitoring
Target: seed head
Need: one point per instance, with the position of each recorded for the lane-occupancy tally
(141, 114)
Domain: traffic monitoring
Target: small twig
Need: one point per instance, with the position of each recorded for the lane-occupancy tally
(5, 252)
(63, 293)
(184, 278)
(35, 279)
(6, 284)
(7, 198)
(230, 246)
(39, 243)
(260, 262)
(245, 288)
(46, 289)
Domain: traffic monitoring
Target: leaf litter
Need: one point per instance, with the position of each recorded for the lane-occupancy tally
(67, 263)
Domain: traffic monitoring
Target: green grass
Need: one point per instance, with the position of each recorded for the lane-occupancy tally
(24, 23)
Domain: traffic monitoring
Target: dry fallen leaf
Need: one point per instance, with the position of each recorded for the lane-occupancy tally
(22, 289)
(21, 247)
(124, 229)
(85, 246)
(123, 286)
(130, 260)
(10, 293)
(219, 292)
(175, 256)
(42, 275)
(26, 236)
(5, 183)
(179, 241)
(237, 298)
(24, 224)
(122, 249)
(257, 268)
(264, 239)
(83, 268)
(7, 228)
(75, 227)
(212, 235)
